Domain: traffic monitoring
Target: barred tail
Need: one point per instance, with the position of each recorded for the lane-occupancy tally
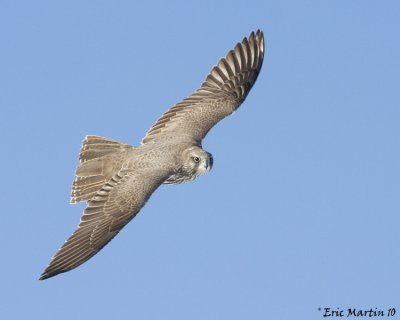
(91, 174)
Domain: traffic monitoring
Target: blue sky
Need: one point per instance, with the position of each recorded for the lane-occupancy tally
(301, 209)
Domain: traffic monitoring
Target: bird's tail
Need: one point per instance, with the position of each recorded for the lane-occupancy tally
(93, 171)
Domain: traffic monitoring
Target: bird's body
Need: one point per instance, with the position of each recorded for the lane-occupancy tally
(117, 179)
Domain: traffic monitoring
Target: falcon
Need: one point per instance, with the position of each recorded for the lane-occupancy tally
(116, 179)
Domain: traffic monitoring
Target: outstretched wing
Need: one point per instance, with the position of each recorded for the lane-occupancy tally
(114, 205)
(224, 89)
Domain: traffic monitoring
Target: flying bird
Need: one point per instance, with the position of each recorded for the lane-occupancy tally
(116, 179)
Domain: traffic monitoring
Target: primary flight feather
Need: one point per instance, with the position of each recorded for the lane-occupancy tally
(117, 179)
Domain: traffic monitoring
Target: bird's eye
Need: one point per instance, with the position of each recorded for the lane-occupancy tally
(196, 159)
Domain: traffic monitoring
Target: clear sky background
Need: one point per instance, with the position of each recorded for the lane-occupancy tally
(301, 210)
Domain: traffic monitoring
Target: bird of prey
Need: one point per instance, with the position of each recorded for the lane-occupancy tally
(116, 179)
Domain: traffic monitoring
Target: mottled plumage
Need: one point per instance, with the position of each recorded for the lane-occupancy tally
(117, 179)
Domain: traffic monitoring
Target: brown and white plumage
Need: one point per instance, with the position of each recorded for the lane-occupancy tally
(117, 179)
(223, 91)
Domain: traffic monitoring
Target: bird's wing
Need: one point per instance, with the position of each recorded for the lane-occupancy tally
(224, 89)
(114, 205)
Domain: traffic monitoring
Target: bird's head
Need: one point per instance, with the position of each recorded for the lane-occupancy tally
(196, 162)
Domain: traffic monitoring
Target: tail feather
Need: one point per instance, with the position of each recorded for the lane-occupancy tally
(96, 147)
(94, 170)
(85, 188)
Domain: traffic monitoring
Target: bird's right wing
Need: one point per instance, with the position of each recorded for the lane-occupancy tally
(224, 89)
(113, 206)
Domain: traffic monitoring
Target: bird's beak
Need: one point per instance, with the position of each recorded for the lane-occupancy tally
(207, 164)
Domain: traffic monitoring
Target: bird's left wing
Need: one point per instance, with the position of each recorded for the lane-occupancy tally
(114, 205)
(224, 89)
